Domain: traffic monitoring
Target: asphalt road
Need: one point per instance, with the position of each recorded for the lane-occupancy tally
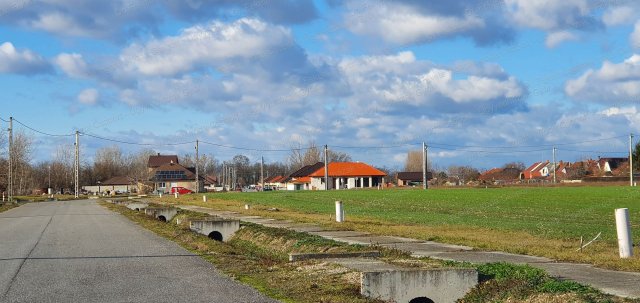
(77, 251)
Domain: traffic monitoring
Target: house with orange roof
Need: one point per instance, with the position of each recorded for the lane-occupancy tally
(538, 170)
(276, 182)
(300, 179)
(347, 175)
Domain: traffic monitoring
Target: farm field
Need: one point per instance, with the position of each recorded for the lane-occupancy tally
(537, 221)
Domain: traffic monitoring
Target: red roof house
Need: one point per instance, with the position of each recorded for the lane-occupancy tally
(346, 175)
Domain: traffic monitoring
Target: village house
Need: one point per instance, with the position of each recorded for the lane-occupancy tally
(500, 176)
(348, 175)
(300, 179)
(407, 178)
(275, 183)
(168, 175)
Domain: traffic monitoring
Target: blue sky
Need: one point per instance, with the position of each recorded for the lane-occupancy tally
(482, 82)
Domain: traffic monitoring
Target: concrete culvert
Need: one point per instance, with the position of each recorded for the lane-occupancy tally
(421, 300)
(162, 218)
(137, 209)
(214, 235)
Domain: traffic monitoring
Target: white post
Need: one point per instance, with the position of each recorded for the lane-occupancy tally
(339, 212)
(160, 195)
(176, 195)
(370, 182)
(625, 242)
(204, 198)
(247, 206)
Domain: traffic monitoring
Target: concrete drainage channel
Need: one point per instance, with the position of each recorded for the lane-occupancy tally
(379, 280)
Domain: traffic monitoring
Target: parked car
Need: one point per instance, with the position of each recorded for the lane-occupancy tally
(181, 190)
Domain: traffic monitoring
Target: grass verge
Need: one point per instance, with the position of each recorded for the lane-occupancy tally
(7, 206)
(257, 256)
(544, 222)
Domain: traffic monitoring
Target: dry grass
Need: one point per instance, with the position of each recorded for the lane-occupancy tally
(603, 254)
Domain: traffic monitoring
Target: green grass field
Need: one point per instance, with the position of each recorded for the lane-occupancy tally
(560, 213)
(536, 221)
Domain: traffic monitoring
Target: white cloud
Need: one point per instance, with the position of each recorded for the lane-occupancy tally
(72, 64)
(550, 14)
(634, 38)
(215, 44)
(24, 62)
(612, 83)
(89, 96)
(401, 24)
(620, 15)
(556, 38)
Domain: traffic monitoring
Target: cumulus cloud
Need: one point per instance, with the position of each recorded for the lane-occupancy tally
(72, 64)
(634, 38)
(416, 22)
(553, 15)
(89, 96)
(612, 83)
(620, 15)
(120, 20)
(556, 38)
(25, 62)
(226, 47)
(423, 84)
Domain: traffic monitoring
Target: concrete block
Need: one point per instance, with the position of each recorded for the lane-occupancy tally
(437, 285)
(137, 206)
(218, 229)
(163, 214)
(311, 256)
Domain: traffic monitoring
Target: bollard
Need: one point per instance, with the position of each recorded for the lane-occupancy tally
(176, 195)
(339, 212)
(247, 206)
(160, 195)
(625, 242)
(204, 198)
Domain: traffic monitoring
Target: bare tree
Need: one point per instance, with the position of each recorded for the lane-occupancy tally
(21, 154)
(518, 165)
(464, 173)
(109, 162)
(414, 161)
(313, 154)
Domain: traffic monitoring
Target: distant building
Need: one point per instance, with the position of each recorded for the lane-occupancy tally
(300, 179)
(347, 175)
(172, 174)
(407, 178)
(497, 176)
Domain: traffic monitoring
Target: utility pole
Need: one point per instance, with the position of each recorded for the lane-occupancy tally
(424, 166)
(197, 172)
(77, 165)
(326, 167)
(262, 173)
(554, 165)
(631, 159)
(10, 189)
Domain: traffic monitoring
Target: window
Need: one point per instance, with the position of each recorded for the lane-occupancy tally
(161, 185)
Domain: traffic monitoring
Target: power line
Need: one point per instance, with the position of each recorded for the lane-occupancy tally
(526, 146)
(254, 149)
(41, 132)
(592, 151)
(376, 147)
(136, 143)
(487, 151)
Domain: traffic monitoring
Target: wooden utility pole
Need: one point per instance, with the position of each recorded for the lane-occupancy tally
(262, 173)
(77, 166)
(197, 171)
(10, 189)
(631, 159)
(326, 167)
(554, 165)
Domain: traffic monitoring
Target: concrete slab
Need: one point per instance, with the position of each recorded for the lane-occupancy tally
(374, 240)
(426, 249)
(366, 265)
(218, 229)
(618, 283)
(330, 234)
(481, 257)
(305, 228)
(311, 256)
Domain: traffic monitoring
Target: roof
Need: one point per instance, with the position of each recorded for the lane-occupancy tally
(159, 160)
(534, 170)
(500, 174)
(302, 180)
(172, 172)
(413, 175)
(209, 180)
(306, 170)
(119, 180)
(275, 179)
(349, 169)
